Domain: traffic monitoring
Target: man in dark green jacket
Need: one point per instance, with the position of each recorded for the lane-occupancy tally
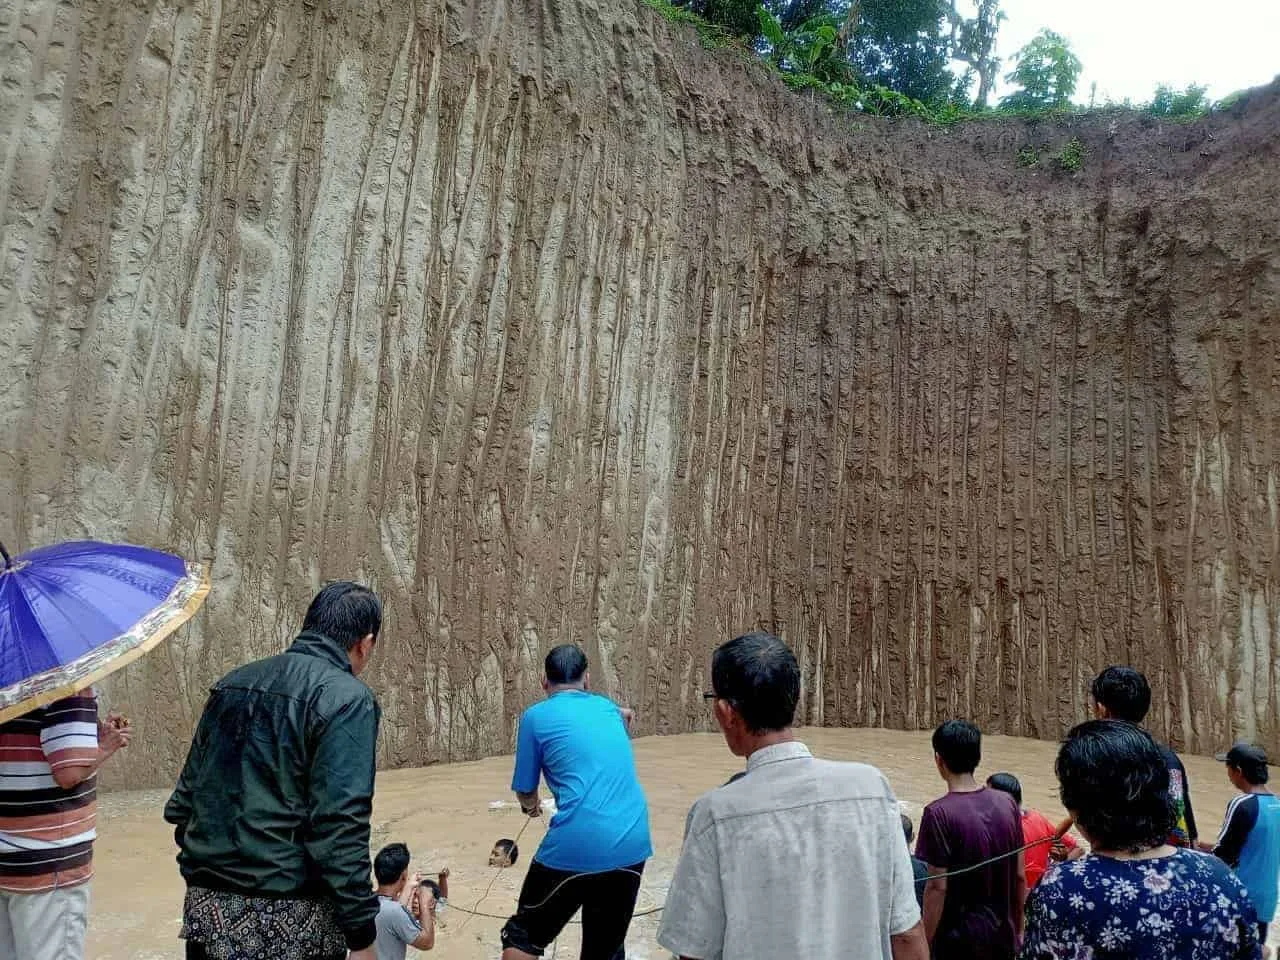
(272, 808)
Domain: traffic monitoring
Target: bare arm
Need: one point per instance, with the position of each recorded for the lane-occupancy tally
(425, 910)
(529, 803)
(113, 734)
(935, 895)
(1020, 894)
(912, 945)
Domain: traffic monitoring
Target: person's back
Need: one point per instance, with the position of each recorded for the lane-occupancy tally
(1259, 866)
(246, 826)
(602, 818)
(1250, 838)
(1037, 833)
(958, 831)
(1184, 906)
(810, 858)
(397, 928)
(271, 811)
(1122, 693)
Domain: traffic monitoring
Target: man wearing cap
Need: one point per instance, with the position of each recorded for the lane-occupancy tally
(1250, 838)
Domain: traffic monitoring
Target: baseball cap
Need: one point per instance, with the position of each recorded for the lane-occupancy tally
(1244, 755)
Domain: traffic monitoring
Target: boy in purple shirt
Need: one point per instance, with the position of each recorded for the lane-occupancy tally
(977, 916)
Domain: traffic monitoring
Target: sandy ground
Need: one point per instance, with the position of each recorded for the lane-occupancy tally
(443, 813)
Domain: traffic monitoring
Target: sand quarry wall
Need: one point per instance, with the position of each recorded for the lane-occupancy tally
(555, 326)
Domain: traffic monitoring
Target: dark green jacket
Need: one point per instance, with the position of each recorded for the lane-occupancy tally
(275, 796)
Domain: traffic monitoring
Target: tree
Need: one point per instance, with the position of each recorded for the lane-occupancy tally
(812, 50)
(1170, 102)
(1046, 70)
(973, 42)
(899, 44)
(738, 17)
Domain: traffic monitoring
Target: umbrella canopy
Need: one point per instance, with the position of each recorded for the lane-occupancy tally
(73, 613)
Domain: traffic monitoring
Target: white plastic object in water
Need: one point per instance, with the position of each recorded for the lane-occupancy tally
(497, 804)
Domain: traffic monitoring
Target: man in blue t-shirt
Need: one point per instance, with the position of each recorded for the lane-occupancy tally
(1250, 838)
(598, 840)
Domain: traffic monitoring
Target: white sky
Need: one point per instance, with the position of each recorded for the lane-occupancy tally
(1131, 46)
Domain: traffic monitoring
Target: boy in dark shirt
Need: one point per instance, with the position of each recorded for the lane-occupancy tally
(1122, 693)
(977, 916)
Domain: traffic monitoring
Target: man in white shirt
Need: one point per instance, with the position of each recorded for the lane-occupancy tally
(798, 858)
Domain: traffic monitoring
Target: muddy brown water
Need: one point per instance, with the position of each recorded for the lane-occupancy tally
(443, 813)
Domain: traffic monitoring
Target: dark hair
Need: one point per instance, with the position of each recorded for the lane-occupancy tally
(1115, 781)
(959, 744)
(391, 863)
(345, 612)
(1255, 774)
(908, 829)
(565, 664)
(757, 674)
(508, 849)
(432, 886)
(1006, 783)
(1124, 692)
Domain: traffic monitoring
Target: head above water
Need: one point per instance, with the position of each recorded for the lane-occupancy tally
(756, 684)
(957, 748)
(908, 829)
(505, 853)
(391, 865)
(565, 667)
(1115, 783)
(1006, 783)
(350, 615)
(1121, 693)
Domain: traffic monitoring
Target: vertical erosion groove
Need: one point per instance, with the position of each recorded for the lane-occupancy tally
(556, 327)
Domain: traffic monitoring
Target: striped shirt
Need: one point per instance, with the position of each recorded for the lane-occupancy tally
(47, 832)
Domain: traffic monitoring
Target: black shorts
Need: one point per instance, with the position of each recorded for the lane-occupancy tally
(550, 898)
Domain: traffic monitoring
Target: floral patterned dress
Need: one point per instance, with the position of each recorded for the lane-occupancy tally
(1186, 906)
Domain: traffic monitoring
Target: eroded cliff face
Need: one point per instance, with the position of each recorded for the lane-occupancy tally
(554, 326)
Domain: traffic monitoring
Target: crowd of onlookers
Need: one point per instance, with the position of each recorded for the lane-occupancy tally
(795, 856)
(989, 878)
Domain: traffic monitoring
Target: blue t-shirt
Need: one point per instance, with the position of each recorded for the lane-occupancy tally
(1186, 906)
(578, 742)
(1250, 842)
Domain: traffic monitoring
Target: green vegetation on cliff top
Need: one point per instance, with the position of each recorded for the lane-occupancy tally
(890, 58)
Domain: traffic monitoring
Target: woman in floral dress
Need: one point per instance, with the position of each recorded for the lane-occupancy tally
(1134, 897)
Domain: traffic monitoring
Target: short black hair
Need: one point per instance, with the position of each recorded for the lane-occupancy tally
(391, 863)
(432, 886)
(1255, 773)
(565, 664)
(1252, 767)
(1124, 692)
(757, 674)
(1115, 781)
(908, 829)
(508, 849)
(345, 612)
(959, 744)
(1006, 783)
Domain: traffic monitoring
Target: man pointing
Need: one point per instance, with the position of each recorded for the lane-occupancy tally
(598, 841)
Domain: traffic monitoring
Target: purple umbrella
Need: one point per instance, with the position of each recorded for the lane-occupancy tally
(73, 613)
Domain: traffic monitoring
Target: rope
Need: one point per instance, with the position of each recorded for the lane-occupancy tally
(477, 912)
(995, 859)
(497, 873)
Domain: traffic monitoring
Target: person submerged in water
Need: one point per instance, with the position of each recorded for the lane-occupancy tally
(505, 853)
